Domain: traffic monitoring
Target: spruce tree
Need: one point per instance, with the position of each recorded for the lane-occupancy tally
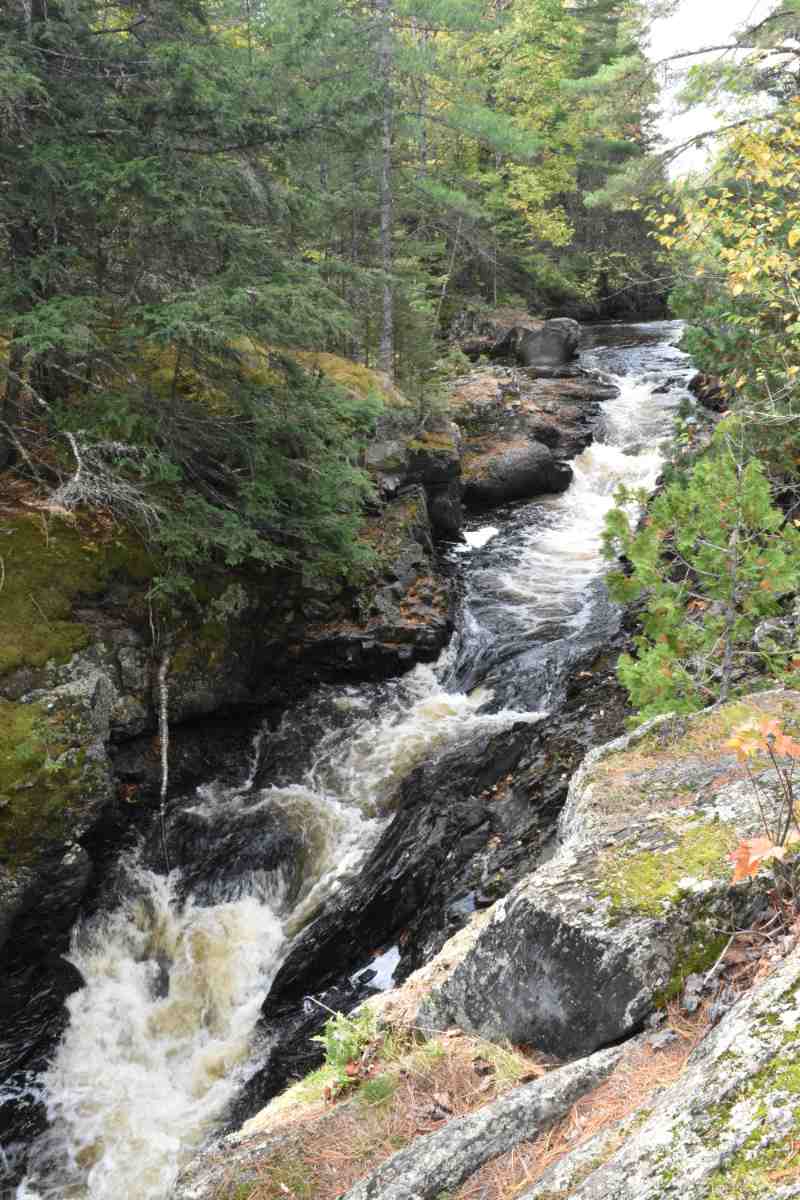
(713, 557)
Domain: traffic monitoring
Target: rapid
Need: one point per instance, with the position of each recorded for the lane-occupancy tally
(159, 1039)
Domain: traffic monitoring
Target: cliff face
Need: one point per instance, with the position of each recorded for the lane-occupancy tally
(80, 652)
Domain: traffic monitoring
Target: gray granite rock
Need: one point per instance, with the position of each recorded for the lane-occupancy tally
(635, 900)
(726, 1130)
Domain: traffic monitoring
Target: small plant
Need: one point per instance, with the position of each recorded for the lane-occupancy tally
(351, 1046)
(377, 1091)
(754, 740)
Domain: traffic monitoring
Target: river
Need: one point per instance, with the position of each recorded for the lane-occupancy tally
(159, 1039)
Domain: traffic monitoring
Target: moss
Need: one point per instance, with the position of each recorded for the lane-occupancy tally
(201, 648)
(698, 958)
(646, 881)
(437, 442)
(44, 777)
(626, 777)
(354, 377)
(763, 1160)
(48, 566)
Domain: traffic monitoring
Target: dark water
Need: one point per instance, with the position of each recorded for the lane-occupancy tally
(158, 1040)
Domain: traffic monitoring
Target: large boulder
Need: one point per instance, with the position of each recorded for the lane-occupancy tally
(726, 1130)
(497, 472)
(513, 333)
(546, 344)
(634, 901)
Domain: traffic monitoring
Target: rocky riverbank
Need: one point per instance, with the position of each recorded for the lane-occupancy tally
(81, 769)
(632, 921)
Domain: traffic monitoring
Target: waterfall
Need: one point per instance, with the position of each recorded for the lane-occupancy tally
(159, 1036)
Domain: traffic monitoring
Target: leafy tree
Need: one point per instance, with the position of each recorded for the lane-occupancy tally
(733, 241)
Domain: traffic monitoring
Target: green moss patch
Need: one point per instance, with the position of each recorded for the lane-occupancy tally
(645, 881)
(50, 564)
(43, 779)
(698, 958)
(764, 1161)
(353, 377)
(436, 442)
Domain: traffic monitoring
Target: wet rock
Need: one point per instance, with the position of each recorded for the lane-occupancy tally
(434, 455)
(257, 853)
(498, 474)
(287, 1052)
(53, 799)
(579, 953)
(446, 512)
(727, 1127)
(435, 462)
(440, 821)
(465, 831)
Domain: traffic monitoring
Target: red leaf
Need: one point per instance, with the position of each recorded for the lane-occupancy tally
(751, 853)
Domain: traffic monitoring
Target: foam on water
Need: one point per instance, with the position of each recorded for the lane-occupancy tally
(476, 539)
(157, 1041)
(159, 1037)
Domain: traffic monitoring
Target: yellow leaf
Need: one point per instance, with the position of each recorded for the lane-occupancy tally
(794, 237)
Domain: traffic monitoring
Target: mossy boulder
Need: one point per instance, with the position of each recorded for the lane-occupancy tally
(636, 898)
(56, 784)
(668, 762)
(54, 773)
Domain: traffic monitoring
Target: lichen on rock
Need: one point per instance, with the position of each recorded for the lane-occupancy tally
(636, 898)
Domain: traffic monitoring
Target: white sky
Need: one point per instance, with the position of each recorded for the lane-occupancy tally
(698, 23)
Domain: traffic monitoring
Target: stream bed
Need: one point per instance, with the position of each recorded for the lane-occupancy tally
(160, 1038)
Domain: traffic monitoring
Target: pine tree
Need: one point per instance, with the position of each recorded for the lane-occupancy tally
(148, 253)
(712, 559)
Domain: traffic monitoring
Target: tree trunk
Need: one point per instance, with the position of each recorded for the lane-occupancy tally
(386, 351)
(731, 609)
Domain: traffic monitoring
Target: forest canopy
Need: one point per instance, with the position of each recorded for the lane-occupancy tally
(193, 190)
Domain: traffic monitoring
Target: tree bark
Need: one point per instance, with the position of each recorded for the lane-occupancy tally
(385, 62)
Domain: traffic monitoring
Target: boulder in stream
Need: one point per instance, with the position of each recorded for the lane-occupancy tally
(497, 473)
(516, 335)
